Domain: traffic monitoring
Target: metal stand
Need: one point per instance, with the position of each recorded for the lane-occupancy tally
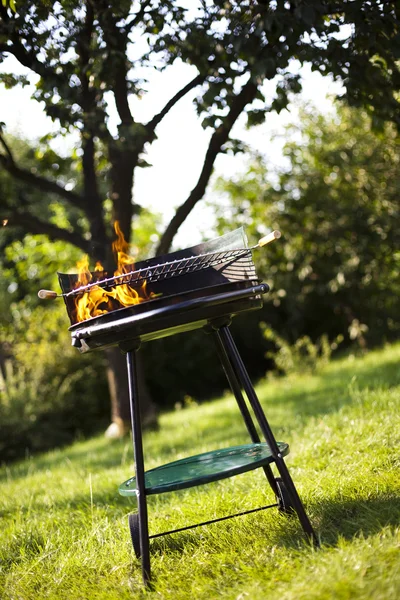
(238, 379)
(226, 343)
(139, 465)
(237, 392)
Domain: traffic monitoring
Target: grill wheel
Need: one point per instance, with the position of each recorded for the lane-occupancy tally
(133, 520)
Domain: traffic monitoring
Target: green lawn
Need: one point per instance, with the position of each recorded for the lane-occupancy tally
(64, 529)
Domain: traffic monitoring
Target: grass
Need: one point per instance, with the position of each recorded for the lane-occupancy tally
(64, 530)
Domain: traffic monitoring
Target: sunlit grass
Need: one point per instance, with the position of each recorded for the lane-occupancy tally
(64, 530)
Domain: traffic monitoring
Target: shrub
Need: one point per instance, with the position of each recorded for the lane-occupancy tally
(302, 356)
(49, 393)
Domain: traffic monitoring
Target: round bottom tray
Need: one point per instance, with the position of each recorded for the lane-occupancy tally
(204, 468)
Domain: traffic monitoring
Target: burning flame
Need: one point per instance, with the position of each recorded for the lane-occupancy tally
(98, 301)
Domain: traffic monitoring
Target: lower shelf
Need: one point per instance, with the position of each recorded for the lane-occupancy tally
(204, 468)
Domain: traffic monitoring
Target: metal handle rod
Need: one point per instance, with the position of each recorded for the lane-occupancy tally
(211, 521)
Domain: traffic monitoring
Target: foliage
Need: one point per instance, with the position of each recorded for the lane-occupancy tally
(48, 393)
(84, 57)
(9, 3)
(65, 532)
(35, 205)
(336, 269)
(303, 356)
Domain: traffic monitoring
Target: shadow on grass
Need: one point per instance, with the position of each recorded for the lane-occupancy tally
(363, 516)
(336, 520)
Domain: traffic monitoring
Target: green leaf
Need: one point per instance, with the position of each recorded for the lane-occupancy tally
(255, 117)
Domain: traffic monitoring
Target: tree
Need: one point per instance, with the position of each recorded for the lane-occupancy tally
(336, 269)
(83, 56)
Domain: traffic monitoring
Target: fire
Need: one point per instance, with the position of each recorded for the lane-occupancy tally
(98, 300)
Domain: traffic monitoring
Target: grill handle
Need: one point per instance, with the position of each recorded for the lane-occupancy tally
(274, 235)
(47, 294)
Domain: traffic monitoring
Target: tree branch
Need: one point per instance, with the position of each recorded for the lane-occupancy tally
(29, 60)
(116, 40)
(151, 125)
(137, 17)
(91, 198)
(218, 139)
(34, 225)
(7, 149)
(39, 182)
(88, 103)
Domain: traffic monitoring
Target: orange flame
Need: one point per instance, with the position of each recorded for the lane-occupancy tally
(98, 301)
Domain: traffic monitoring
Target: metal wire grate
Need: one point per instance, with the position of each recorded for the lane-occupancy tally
(166, 270)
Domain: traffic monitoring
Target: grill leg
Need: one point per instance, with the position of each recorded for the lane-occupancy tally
(237, 392)
(243, 377)
(139, 465)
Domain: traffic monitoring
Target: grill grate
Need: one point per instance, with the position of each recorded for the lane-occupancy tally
(166, 270)
(228, 257)
(215, 262)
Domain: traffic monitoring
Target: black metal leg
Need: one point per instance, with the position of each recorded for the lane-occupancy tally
(244, 379)
(139, 466)
(237, 392)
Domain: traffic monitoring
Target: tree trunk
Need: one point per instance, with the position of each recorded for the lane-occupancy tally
(117, 376)
(2, 362)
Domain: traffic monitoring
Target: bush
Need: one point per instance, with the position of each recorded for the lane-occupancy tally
(336, 269)
(49, 393)
(303, 356)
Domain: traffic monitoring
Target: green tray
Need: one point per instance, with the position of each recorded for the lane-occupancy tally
(204, 468)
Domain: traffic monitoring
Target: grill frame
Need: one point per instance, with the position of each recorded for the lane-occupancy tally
(163, 317)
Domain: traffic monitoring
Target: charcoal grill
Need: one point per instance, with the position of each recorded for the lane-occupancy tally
(200, 287)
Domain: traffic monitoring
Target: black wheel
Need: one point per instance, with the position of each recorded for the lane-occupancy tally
(133, 520)
(283, 498)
